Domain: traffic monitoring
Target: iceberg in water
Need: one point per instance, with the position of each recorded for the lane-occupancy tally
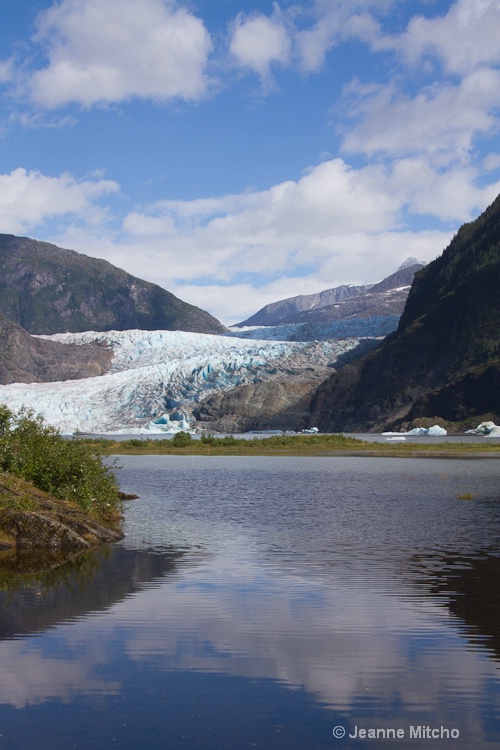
(436, 430)
(488, 429)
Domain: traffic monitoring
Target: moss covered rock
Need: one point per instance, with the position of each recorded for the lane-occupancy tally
(31, 519)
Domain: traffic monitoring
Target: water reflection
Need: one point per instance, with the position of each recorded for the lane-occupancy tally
(277, 624)
(90, 583)
(471, 585)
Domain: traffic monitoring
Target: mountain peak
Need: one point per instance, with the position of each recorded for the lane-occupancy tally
(411, 262)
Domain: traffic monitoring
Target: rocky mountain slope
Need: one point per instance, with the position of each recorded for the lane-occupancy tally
(47, 289)
(25, 359)
(386, 298)
(444, 359)
(286, 310)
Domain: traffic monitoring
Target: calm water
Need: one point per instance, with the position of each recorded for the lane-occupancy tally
(268, 603)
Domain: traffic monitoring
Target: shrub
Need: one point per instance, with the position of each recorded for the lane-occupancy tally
(67, 469)
(133, 443)
(181, 439)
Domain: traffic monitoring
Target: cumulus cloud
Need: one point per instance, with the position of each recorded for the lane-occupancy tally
(293, 223)
(27, 198)
(303, 35)
(443, 119)
(457, 56)
(258, 41)
(115, 50)
(336, 223)
(463, 39)
(333, 24)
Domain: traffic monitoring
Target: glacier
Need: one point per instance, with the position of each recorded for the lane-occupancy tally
(375, 327)
(157, 377)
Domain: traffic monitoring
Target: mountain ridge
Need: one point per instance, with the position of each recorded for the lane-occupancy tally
(47, 289)
(332, 304)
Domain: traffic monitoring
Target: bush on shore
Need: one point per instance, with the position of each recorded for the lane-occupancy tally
(66, 469)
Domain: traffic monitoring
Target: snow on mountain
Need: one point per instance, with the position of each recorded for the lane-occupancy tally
(411, 262)
(157, 377)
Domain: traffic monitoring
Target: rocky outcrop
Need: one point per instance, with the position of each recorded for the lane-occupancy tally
(47, 289)
(33, 520)
(25, 359)
(444, 359)
(270, 405)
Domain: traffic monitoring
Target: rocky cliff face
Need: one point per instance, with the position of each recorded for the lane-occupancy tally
(25, 359)
(271, 405)
(47, 289)
(444, 359)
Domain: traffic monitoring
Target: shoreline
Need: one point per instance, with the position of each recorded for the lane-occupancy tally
(317, 445)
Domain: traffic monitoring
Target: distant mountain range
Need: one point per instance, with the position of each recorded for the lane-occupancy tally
(369, 300)
(46, 289)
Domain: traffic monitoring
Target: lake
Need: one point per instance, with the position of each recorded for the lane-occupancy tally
(277, 603)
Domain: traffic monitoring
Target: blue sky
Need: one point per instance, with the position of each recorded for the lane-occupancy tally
(237, 153)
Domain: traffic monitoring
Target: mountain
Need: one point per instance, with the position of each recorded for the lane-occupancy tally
(387, 298)
(286, 309)
(444, 358)
(46, 289)
(25, 359)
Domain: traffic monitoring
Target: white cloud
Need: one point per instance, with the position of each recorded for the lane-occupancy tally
(448, 195)
(291, 224)
(29, 198)
(304, 34)
(334, 23)
(115, 50)
(6, 71)
(442, 120)
(491, 162)
(40, 121)
(463, 39)
(257, 41)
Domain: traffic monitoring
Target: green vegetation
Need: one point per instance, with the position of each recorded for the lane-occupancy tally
(284, 445)
(66, 469)
(13, 494)
(181, 440)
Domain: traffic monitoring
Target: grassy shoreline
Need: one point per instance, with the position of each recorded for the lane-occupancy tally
(296, 445)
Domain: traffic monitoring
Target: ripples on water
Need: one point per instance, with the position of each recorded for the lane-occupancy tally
(262, 602)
